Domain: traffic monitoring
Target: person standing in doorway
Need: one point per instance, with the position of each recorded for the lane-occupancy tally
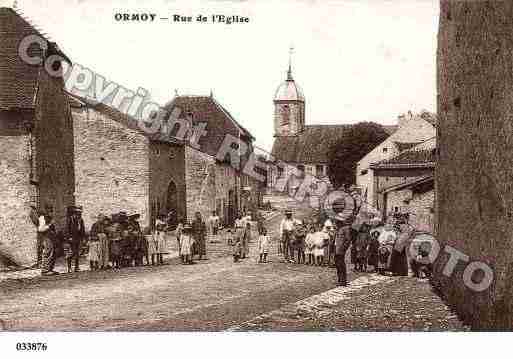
(213, 225)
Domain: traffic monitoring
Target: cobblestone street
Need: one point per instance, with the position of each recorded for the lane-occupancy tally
(221, 295)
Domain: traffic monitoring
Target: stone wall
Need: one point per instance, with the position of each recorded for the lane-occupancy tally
(296, 118)
(167, 179)
(211, 185)
(475, 164)
(112, 167)
(418, 206)
(17, 233)
(199, 182)
(421, 207)
(226, 181)
(54, 152)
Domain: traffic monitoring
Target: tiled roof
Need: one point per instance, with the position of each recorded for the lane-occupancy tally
(219, 122)
(402, 146)
(413, 183)
(310, 146)
(18, 80)
(412, 158)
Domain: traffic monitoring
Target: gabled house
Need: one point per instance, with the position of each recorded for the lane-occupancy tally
(411, 131)
(404, 185)
(36, 139)
(121, 167)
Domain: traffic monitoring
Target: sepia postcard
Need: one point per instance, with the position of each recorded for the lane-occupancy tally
(293, 166)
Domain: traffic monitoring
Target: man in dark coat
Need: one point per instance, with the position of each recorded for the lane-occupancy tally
(199, 233)
(342, 243)
(76, 232)
(46, 229)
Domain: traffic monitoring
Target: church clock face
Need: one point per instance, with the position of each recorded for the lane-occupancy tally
(285, 114)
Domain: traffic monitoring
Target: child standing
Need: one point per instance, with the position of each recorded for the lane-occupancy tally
(115, 247)
(321, 241)
(68, 254)
(235, 242)
(263, 245)
(310, 245)
(152, 247)
(94, 252)
(160, 235)
(186, 242)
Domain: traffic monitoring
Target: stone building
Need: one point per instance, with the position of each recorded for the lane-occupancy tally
(300, 149)
(121, 167)
(405, 184)
(474, 174)
(304, 148)
(411, 130)
(214, 183)
(36, 139)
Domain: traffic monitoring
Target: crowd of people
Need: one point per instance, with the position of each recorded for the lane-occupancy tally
(115, 241)
(118, 241)
(372, 243)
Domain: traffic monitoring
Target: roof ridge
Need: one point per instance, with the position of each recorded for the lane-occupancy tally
(228, 114)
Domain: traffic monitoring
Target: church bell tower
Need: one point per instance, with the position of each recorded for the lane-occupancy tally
(289, 107)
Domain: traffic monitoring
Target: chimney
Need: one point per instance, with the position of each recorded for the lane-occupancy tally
(403, 119)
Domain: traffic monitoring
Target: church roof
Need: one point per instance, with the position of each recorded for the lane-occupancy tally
(310, 146)
(18, 80)
(289, 90)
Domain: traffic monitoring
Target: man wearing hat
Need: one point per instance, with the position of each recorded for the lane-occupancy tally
(76, 232)
(287, 227)
(342, 243)
(46, 229)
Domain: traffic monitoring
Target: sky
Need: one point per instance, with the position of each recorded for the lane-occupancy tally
(358, 60)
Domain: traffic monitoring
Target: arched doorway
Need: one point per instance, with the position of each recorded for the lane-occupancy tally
(172, 204)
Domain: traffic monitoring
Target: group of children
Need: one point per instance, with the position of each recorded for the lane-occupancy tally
(240, 238)
(119, 242)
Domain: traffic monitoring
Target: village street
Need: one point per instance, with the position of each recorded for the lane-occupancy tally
(221, 295)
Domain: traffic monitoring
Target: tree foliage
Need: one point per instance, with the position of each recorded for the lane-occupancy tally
(344, 154)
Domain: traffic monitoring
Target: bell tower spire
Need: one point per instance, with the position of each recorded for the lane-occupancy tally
(289, 72)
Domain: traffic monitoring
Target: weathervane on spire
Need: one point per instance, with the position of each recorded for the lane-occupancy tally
(289, 73)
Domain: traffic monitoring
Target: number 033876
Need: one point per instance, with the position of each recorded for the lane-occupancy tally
(32, 347)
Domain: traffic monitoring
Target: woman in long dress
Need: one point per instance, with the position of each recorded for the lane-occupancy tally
(186, 243)
(398, 260)
(161, 240)
(246, 238)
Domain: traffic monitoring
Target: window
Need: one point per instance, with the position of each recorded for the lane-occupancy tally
(301, 169)
(385, 150)
(280, 172)
(285, 114)
(364, 172)
(319, 170)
